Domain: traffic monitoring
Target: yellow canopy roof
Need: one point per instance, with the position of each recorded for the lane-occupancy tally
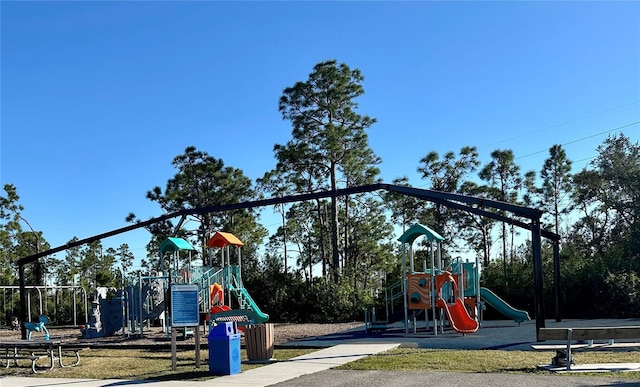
(222, 239)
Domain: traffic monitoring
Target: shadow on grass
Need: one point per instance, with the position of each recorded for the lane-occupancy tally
(187, 375)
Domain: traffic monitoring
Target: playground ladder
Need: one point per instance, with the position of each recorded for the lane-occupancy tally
(229, 278)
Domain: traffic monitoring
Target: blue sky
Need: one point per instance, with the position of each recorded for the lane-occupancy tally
(98, 97)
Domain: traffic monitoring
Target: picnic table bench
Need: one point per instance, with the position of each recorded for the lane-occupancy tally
(11, 351)
(583, 339)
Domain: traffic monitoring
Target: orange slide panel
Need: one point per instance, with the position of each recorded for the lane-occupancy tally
(459, 317)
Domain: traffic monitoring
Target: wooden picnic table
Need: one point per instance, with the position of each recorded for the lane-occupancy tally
(33, 350)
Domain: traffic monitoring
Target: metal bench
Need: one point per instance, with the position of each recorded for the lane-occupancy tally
(574, 339)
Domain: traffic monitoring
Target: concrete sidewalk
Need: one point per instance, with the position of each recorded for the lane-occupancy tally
(321, 360)
(279, 372)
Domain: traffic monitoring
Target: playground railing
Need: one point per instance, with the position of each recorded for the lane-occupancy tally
(204, 276)
(470, 279)
(392, 294)
(233, 273)
(208, 278)
(39, 300)
(236, 285)
(229, 277)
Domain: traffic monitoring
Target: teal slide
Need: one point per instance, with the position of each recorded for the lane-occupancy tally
(501, 306)
(261, 317)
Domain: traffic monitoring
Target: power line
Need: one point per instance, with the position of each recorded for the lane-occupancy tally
(561, 123)
(584, 159)
(582, 139)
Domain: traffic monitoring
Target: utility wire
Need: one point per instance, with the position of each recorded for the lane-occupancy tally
(560, 124)
(582, 139)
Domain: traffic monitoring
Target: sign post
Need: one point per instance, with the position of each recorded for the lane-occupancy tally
(184, 313)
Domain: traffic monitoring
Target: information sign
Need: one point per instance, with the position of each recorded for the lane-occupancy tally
(184, 306)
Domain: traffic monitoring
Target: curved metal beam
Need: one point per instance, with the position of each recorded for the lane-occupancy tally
(469, 204)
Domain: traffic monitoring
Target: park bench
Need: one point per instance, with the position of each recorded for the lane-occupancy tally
(583, 339)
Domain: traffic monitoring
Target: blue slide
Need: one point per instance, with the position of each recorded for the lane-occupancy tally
(501, 306)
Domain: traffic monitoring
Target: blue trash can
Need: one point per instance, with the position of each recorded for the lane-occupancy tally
(224, 349)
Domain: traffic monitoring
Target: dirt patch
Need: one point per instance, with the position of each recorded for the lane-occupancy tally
(283, 333)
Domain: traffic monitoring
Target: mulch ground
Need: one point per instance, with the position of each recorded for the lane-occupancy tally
(156, 336)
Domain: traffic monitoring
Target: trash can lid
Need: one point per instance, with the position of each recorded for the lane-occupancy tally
(226, 328)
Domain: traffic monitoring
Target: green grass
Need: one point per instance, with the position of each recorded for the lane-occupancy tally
(156, 364)
(412, 359)
(138, 364)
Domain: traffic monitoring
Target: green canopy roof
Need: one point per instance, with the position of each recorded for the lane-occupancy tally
(175, 244)
(418, 230)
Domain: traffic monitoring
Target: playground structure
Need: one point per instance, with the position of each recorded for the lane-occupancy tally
(108, 311)
(229, 279)
(526, 218)
(523, 217)
(435, 288)
(145, 299)
(59, 303)
(454, 292)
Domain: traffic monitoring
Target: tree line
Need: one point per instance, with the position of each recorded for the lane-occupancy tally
(330, 258)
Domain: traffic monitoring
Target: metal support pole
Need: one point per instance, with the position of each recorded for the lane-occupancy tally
(123, 311)
(461, 280)
(29, 306)
(140, 303)
(23, 302)
(75, 309)
(86, 305)
(55, 304)
(434, 296)
(556, 278)
(536, 248)
(239, 262)
(386, 300)
(404, 288)
(411, 263)
(39, 300)
(477, 286)
(46, 297)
